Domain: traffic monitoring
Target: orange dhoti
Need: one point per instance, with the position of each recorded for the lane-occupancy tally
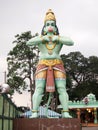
(50, 70)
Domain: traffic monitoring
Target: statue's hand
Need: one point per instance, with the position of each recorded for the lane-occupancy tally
(45, 38)
(55, 38)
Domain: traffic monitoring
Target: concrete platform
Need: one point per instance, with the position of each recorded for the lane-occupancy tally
(47, 124)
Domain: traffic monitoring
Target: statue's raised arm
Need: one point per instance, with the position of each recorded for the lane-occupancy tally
(66, 41)
(34, 41)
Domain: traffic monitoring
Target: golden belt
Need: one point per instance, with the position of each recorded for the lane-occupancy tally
(50, 62)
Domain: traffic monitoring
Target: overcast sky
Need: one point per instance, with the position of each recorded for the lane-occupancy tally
(77, 19)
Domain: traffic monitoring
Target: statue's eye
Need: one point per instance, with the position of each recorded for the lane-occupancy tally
(47, 24)
(52, 24)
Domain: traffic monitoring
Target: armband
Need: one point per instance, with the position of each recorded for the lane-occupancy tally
(34, 111)
(65, 110)
(58, 38)
(42, 38)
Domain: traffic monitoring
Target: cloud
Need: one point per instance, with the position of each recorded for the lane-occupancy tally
(25, 99)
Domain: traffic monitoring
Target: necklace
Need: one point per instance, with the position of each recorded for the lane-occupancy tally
(50, 47)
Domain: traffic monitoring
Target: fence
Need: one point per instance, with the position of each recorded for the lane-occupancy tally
(8, 111)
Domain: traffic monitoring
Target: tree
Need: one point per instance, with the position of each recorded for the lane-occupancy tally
(83, 74)
(22, 62)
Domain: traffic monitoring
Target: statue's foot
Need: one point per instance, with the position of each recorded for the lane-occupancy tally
(66, 115)
(34, 115)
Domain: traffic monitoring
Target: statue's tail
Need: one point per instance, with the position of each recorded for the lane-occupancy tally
(48, 103)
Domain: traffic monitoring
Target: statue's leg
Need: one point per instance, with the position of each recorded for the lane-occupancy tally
(37, 96)
(60, 82)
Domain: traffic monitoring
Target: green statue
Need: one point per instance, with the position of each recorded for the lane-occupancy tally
(50, 73)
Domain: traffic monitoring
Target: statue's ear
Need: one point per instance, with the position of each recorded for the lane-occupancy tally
(44, 31)
(55, 31)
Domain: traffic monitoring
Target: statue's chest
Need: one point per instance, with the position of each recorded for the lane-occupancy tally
(50, 48)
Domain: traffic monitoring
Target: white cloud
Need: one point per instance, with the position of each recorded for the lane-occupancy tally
(22, 99)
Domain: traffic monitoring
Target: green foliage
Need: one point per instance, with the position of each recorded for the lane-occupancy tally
(83, 74)
(22, 62)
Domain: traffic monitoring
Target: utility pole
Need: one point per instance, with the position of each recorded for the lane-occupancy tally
(4, 76)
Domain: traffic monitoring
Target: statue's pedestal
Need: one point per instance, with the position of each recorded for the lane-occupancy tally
(47, 124)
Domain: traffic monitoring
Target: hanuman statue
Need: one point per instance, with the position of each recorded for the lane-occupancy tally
(50, 73)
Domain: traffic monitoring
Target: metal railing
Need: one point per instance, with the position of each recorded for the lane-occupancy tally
(8, 111)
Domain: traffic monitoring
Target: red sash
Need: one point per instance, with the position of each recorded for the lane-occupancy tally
(50, 84)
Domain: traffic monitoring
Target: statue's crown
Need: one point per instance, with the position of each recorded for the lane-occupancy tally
(49, 16)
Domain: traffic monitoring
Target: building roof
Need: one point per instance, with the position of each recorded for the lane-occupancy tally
(88, 102)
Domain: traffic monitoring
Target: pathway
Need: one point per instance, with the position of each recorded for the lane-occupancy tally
(89, 128)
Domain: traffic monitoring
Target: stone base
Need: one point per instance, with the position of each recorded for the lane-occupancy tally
(46, 124)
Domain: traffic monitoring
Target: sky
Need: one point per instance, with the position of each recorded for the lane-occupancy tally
(77, 19)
